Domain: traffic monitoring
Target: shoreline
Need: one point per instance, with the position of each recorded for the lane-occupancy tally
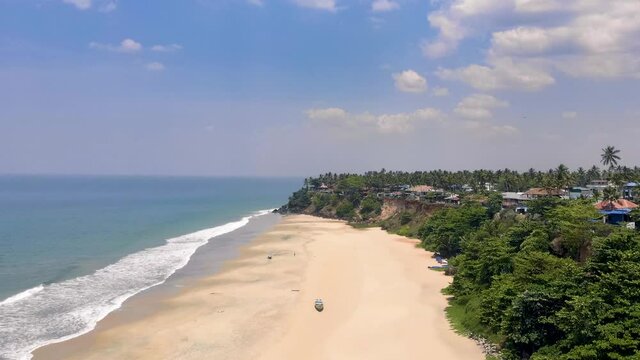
(207, 259)
(379, 298)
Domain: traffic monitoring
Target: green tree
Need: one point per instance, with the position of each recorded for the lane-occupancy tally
(345, 210)
(370, 207)
(609, 156)
(444, 231)
(494, 204)
(610, 195)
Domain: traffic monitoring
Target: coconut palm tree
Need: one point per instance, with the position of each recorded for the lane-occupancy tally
(610, 156)
(563, 176)
(610, 195)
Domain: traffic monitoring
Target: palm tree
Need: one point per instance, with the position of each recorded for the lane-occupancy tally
(563, 176)
(610, 195)
(610, 156)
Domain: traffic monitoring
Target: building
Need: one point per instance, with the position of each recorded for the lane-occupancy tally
(452, 199)
(599, 185)
(513, 199)
(421, 189)
(630, 189)
(535, 193)
(616, 212)
(578, 192)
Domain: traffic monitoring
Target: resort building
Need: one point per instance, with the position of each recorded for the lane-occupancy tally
(599, 185)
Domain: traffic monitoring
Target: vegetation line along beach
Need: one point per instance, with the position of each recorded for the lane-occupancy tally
(545, 265)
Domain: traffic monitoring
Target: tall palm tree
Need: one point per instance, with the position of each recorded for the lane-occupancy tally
(610, 156)
(563, 176)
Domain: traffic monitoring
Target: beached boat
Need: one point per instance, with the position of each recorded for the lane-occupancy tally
(319, 305)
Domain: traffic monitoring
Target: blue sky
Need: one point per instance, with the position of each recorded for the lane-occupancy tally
(297, 87)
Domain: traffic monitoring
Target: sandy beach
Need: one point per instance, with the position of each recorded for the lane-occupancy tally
(381, 302)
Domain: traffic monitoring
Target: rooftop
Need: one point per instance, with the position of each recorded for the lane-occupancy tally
(620, 204)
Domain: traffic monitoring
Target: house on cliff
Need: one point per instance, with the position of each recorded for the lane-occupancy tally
(512, 200)
(536, 193)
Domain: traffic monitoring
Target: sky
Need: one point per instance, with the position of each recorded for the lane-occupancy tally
(301, 87)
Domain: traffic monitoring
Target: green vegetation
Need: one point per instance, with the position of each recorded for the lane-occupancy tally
(555, 283)
(345, 210)
(444, 231)
(551, 286)
(370, 207)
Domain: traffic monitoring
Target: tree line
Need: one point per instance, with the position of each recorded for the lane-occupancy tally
(555, 283)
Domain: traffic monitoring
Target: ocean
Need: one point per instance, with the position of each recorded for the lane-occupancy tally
(74, 248)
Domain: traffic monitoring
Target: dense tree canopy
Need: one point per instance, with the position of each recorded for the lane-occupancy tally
(555, 283)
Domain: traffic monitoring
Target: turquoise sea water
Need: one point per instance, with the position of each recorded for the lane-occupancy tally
(99, 240)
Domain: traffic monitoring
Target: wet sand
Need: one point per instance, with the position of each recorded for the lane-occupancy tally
(381, 302)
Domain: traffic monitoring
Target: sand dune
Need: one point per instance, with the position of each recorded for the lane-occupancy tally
(381, 302)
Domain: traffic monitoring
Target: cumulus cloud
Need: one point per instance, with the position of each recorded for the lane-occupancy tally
(479, 106)
(155, 66)
(383, 123)
(80, 4)
(410, 81)
(328, 5)
(476, 116)
(451, 32)
(327, 113)
(102, 5)
(440, 91)
(532, 39)
(108, 6)
(488, 129)
(166, 48)
(502, 74)
(384, 5)
(127, 46)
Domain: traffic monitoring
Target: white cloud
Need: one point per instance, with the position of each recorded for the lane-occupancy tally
(328, 5)
(102, 5)
(130, 46)
(487, 129)
(479, 106)
(80, 4)
(108, 6)
(410, 81)
(451, 32)
(440, 91)
(384, 123)
(503, 74)
(155, 66)
(166, 48)
(327, 113)
(476, 113)
(569, 115)
(580, 38)
(384, 5)
(538, 6)
(127, 46)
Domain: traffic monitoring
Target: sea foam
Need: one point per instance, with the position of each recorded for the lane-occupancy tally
(52, 313)
(23, 295)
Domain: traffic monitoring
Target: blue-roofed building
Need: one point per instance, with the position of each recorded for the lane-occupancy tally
(630, 190)
(616, 217)
(616, 212)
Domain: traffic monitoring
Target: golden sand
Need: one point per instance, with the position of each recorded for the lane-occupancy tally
(381, 302)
